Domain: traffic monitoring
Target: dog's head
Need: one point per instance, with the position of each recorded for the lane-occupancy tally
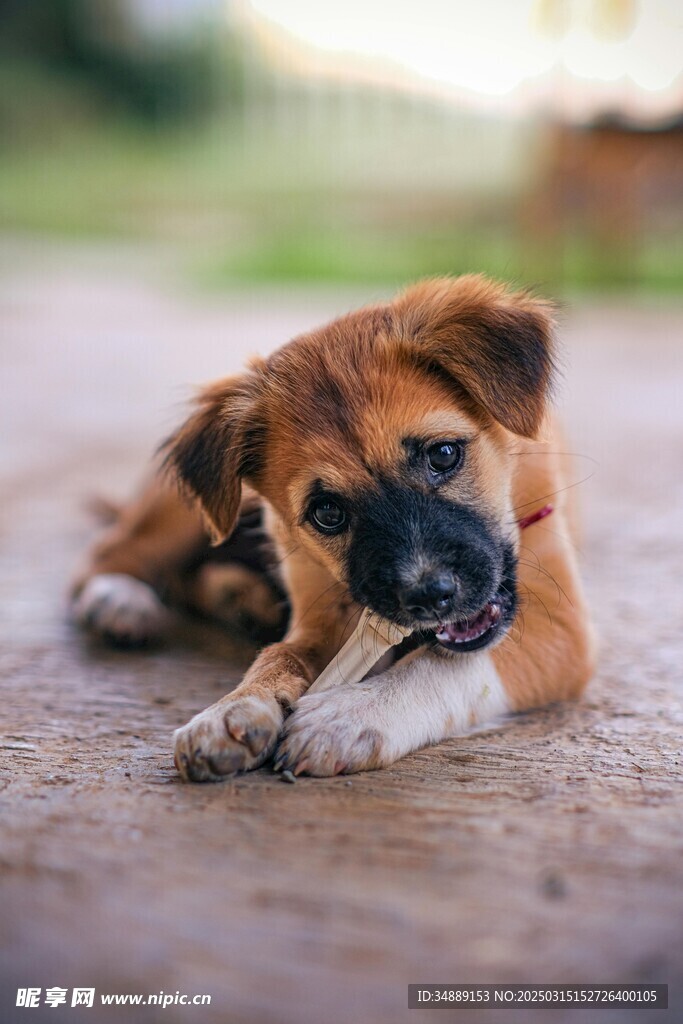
(383, 443)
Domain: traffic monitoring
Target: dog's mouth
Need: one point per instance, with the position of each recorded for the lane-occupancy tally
(464, 629)
(473, 632)
(481, 628)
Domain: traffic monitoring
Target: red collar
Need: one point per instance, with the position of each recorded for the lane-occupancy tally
(534, 517)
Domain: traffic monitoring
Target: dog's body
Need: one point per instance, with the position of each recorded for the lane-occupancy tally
(393, 454)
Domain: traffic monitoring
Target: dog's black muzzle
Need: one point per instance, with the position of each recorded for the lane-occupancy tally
(428, 563)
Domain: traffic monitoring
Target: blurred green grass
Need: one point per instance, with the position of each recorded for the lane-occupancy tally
(358, 256)
(235, 208)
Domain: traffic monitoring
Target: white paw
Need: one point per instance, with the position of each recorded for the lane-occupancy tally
(121, 609)
(234, 735)
(333, 732)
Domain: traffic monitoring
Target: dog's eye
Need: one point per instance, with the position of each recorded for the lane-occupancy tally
(444, 455)
(327, 516)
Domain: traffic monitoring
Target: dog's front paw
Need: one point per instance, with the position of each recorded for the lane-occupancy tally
(234, 735)
(121, 609)
(329, 734)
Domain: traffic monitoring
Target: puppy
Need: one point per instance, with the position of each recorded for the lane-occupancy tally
(394, 456)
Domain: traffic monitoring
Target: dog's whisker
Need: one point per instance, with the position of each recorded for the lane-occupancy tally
(541, 570)
(540, 601)
(336, 658)
(312, 605)
(569, 455)
(510, 635)
(281, 560)
(553, 494)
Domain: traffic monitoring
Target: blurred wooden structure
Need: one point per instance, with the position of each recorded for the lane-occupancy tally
(610, 182)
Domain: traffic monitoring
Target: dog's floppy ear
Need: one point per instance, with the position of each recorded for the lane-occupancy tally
(215, 448)
(497, 344)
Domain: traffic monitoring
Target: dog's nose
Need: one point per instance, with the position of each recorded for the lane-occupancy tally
(431, 598)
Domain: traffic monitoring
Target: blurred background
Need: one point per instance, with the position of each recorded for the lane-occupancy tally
(364, 141)
(183, 183)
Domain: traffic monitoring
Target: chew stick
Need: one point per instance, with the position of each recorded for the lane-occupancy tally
(371, 639)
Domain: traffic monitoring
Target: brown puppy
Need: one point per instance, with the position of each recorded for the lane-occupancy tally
(394, 453)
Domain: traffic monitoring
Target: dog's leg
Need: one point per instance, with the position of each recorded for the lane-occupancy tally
(239, 596)
(119, 592)
(423, 699)
(240, 731)
(549, 654)
(157, 553)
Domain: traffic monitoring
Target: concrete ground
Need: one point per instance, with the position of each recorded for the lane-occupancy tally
(546, 850)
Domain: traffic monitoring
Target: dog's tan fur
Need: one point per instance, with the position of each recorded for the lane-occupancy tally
(446, 358)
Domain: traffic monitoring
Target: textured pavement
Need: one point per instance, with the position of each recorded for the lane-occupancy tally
(546, 850)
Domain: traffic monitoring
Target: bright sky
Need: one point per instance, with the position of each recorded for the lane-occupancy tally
(491, 47)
